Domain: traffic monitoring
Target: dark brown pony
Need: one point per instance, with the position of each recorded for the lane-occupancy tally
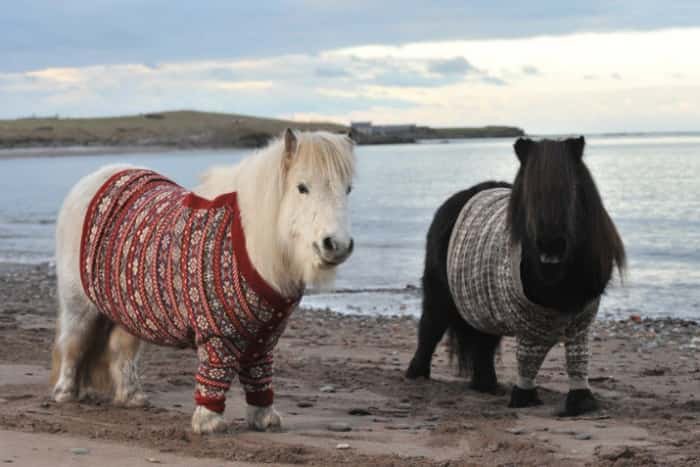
(569, 249)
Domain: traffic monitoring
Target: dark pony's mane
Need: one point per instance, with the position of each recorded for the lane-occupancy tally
(555, 209)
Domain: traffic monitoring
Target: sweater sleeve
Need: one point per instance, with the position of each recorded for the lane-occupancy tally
(256, 378)
(217, 368)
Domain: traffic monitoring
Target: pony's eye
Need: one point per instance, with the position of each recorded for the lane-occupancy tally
(303, 189)
(349, 190)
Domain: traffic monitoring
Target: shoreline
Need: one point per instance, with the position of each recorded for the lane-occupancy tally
(645, 374)
(399, 296)
(73, 151)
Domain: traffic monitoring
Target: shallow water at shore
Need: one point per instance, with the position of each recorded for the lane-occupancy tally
(648, 184)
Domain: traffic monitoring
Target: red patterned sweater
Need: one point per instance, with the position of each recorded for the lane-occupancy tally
(172, 268)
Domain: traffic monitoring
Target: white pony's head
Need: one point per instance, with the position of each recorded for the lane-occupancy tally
(293, 196)
(313, 223)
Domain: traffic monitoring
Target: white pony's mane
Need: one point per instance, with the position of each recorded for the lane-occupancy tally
(259, 180)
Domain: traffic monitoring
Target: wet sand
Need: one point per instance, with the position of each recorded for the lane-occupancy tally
(348, 370)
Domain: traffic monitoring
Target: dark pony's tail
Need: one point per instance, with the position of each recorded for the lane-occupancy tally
(471, 350)
(461, 338)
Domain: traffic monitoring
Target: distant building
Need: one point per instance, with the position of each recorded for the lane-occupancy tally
(366, 128)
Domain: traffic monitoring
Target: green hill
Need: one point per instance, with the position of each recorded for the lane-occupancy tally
(179, 129)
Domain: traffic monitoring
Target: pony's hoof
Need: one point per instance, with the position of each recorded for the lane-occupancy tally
(492, 388)
(263, 418)
(524, 398)
(416, 371)
(206, 421)
(138, 399)
(61, 394)
(579, 401)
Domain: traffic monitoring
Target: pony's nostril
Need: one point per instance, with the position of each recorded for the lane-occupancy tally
(558, 246)
(351, 245)
(554, 246)
(329, 244)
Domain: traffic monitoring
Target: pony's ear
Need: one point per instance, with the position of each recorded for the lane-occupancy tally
(575, 146)
(349, 136)
(290, 142)
(522, 148)
(290, 148)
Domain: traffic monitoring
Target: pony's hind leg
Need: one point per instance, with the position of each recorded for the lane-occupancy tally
(438, 309)
(483, 362)
(124, 353)
(78, 324)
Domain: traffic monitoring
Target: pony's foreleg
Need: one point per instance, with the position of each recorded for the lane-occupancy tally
(217, 368)
(530, 354)
(256, 378)
(580, 399)
(124, 353)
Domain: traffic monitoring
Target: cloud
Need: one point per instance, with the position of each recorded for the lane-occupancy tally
(331, 72)
(437, 83)
(40, 34)
(493, 80)
(451, 66)
(221, 73)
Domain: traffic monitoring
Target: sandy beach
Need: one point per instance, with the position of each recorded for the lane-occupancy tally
(341, 390)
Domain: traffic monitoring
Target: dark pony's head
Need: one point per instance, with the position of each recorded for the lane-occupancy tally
(558, 218)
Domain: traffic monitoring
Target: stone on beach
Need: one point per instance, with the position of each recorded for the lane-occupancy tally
(339, 427)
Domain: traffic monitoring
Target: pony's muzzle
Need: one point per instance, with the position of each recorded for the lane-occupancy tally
(552, 249)
(332, 251)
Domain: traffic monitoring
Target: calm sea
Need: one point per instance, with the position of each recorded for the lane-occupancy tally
(649, 184)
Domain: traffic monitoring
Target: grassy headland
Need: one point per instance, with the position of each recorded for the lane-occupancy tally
(191, 129)
(178, 129)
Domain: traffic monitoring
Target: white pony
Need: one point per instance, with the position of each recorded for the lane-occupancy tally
(293, 202)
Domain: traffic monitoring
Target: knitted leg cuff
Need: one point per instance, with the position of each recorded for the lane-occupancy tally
(215, 404)
(260, 398)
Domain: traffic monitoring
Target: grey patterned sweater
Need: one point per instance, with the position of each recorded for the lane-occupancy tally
(483, 269)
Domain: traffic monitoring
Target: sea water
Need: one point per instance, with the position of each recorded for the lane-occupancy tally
(649, 184)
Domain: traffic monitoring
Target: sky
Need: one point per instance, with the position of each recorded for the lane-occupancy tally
(546, 66)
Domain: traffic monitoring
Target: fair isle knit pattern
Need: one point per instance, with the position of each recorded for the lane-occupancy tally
(172, 268)
(483, 269)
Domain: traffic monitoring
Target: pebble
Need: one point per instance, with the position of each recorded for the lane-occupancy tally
(516, 431)
(80, 451)
(403, 406)
(328, 388)
(400, 426)
(359, 412)
(342, 446)
(339, 427)
(583, 436)
(305, 404)
(153, 460)
(615, 453)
